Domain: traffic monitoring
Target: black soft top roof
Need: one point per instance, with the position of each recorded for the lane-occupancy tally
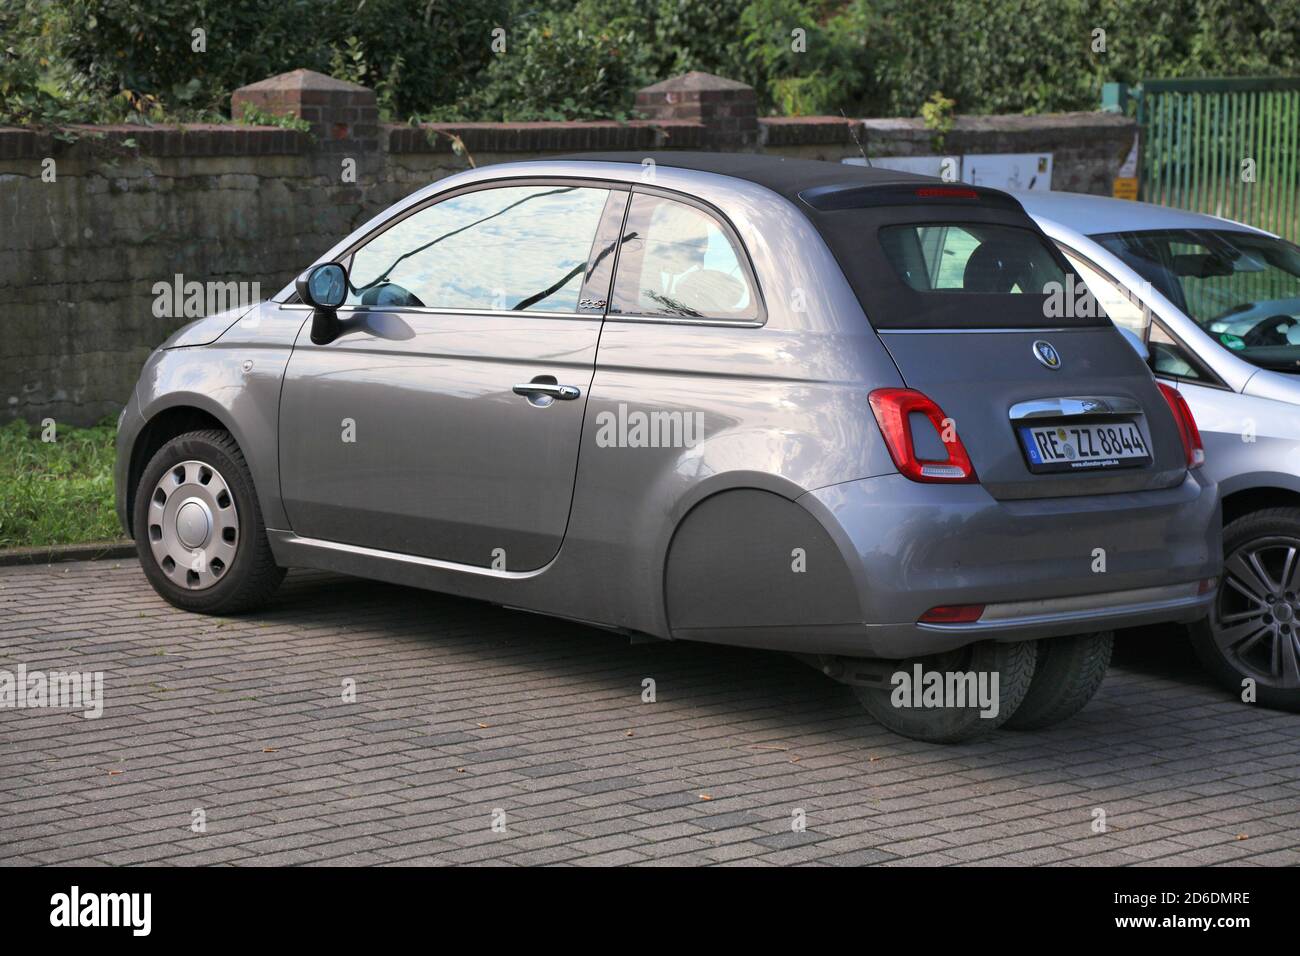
(789, 177)
(848, 205)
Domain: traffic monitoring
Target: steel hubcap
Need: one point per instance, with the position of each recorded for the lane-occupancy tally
(193, 525)
(1255, 615)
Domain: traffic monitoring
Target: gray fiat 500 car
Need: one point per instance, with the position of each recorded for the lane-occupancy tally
(1217, 304)
(777, 404)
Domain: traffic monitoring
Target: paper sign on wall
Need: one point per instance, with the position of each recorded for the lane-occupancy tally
(998, 170)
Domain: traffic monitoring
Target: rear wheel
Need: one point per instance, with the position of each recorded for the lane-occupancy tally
(1067, 675)
(198, 527)
(897, 707)
(1253, 631)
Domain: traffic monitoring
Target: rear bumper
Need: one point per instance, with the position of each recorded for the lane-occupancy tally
(1042, 567)
(1026, 621)
(1055, 617)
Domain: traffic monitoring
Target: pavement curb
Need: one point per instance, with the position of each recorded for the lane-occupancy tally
(54, 553)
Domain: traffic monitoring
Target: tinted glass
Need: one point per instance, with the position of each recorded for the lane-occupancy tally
(1242, 288)
(677, 260)
(1168, 357)
(970, 257)
(516, 247)
(1122, 310)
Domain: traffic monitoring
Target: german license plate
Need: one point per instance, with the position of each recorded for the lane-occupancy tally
(1084, 447)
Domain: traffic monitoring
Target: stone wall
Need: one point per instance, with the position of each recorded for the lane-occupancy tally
(128, 208)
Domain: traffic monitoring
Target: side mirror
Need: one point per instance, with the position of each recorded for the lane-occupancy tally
(1138, 345)
(324, 286)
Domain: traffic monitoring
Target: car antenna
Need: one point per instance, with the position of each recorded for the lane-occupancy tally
(856, 142)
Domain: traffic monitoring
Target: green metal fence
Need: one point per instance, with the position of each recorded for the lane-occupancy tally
(1203, 140)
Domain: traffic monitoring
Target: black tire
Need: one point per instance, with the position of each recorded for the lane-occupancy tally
(1014, 665)
(1068, 674)
(251, 576)
(1272, 533)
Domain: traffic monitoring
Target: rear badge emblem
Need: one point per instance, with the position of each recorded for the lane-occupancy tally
(1046, 353)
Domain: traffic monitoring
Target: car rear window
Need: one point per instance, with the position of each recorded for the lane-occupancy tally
(976, 258)
(925, 255)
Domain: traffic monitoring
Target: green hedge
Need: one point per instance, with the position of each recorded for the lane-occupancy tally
(998, 57)
(129, 59)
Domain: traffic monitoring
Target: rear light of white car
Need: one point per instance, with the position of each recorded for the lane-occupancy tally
(1187, 430)
(893, 408)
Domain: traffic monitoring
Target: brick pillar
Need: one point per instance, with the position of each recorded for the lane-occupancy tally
(727, 109)
(343, 116)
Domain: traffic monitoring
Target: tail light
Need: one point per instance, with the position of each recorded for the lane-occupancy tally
(1187, 430)
(953, 614)
(893, 408)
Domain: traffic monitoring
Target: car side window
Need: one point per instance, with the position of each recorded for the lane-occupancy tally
(1123, 311)
(1169, 357)
(520, 248)
(677, 260)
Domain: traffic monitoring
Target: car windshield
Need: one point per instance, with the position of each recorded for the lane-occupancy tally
(1242, 288)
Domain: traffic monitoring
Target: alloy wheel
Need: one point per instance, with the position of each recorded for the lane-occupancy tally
(1256, 619)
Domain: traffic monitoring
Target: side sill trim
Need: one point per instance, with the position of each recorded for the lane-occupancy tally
(289, 540)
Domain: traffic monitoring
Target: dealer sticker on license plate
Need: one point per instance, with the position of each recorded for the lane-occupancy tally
(1084, 447)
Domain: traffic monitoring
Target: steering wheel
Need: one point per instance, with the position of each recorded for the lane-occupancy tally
(1270, 331)
(390, 293)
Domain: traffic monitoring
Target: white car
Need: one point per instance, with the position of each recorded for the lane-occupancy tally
(1217, 304)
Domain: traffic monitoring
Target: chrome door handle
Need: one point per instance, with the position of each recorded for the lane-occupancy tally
(565, 393)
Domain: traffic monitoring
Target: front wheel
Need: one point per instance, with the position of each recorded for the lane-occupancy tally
(1253, 630)
(950, 697)
(198, 527)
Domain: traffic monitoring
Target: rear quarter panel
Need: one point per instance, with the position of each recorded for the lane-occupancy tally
(781, 408)
(1250, 442)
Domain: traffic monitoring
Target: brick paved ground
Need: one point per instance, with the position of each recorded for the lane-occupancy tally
(463, 709)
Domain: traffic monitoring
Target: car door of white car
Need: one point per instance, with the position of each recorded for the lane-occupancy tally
(1243, 434)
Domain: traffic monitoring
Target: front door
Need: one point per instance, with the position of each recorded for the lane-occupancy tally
(444, 418)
